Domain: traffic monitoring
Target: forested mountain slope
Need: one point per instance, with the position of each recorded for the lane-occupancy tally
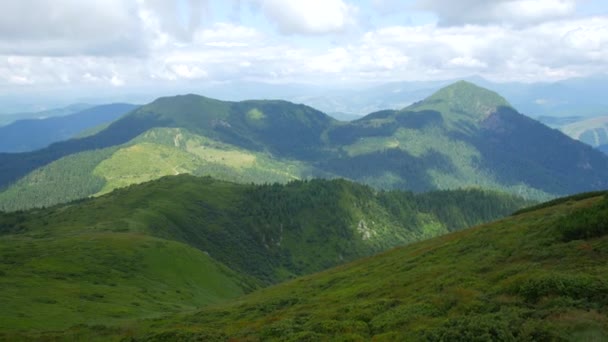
(535, 276)
(461, 136)
(180, 242)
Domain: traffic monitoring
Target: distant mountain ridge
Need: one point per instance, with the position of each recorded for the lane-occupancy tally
(33, 134)
(592, 131)
(8, 118)
(461, 136)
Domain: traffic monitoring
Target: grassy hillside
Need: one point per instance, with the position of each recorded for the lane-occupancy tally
(464, 135)
(536, 276)
(58, 281)
(181, 242)
(461, 136)
(156, 153)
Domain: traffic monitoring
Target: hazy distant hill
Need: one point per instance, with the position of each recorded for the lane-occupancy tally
(593, 131)
(6, 119)
(557, 121)
(461, 136)
(582, 97)
(33, 134)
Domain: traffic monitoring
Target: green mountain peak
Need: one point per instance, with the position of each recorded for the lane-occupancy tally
(464, 98)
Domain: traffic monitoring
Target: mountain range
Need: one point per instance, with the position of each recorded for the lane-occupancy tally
(171, 260)
(9, 118)
(120, 234)
(33, 134)
(461, 136)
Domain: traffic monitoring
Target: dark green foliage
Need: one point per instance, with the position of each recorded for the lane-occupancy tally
(182, 241)
(505, 325)
(592, 291)
(347, 134)
(285, 129)
(586, 223)
(462, 136)
(183, 336)
(274, 232)
(465, 208)
(553, 162)
(69, 180)
(390, 169)
(14, 166)
(512, 280)
(561, 200)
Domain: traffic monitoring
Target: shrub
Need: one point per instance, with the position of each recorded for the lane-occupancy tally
(585, 223)
(579, 287)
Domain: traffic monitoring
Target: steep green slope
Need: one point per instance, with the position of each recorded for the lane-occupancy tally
(156, 153)
(182, 241)
(57, 281)
(461, 135)
(537, 276)
(272, 128)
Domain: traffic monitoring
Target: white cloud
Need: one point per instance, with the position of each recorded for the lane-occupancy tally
(309, 17)
(513, 12)
(116, 81)
(544, 48)
(226, 34)
(68, 27)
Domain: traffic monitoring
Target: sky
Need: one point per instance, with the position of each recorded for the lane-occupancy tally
(91, 46)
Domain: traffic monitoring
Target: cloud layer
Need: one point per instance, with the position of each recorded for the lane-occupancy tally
(510, 12)
(129, 43)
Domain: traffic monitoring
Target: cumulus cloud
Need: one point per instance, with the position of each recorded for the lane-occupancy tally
(69, 48)
(512, 12)
(309, 17)
(171, 21)
(68, 27)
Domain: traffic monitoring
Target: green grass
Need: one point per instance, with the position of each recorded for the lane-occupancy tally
(514, 279)
(154, 154)
(56, 282)
(181, 242)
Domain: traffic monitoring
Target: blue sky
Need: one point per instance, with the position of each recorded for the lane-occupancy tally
(99, 46)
